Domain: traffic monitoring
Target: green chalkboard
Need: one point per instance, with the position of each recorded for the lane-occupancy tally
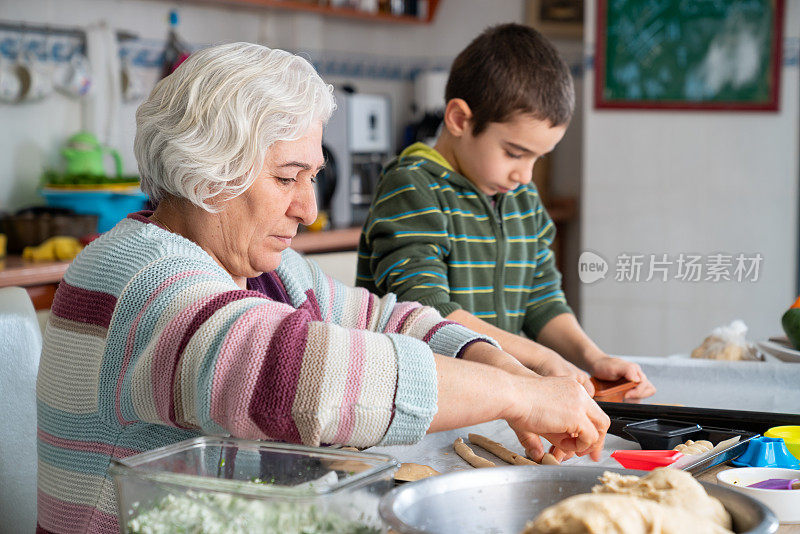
(688, 54)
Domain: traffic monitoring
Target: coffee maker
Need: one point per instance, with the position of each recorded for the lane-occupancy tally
(356, 142)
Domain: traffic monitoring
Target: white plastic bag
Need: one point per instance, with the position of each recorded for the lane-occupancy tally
(727, 343)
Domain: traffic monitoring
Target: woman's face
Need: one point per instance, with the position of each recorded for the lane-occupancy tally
(255, 227)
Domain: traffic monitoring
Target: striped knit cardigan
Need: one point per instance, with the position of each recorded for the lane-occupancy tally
(151, 342)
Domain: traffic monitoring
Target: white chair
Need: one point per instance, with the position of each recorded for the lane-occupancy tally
(20, 348)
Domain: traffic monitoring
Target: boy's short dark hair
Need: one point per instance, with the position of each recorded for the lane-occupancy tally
(508, 69)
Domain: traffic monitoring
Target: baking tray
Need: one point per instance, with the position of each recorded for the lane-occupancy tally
(758, 422)
(502, 499)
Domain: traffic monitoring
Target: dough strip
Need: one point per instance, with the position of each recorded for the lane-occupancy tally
(463, 450)
(549, 459)
(499, 451)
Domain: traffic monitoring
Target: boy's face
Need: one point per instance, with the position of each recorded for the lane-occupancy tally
(501, 157)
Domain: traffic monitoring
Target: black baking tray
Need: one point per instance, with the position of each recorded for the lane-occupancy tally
(758, 422)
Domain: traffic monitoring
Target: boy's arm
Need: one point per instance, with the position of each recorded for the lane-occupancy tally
(529, 353)
(564, 335)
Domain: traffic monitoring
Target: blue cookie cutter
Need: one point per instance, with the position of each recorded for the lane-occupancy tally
(767, 452)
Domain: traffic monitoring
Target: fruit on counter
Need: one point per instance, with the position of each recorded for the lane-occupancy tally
(53, 249)
(320, 223)
(791, 324)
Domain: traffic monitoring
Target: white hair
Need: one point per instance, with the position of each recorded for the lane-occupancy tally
(206, 128)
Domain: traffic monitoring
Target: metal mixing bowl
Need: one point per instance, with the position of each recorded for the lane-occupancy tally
(503, 499)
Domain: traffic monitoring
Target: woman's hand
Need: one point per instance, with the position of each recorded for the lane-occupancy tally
(550, 363)
(555, 366)
(559, 409)
(608, 368)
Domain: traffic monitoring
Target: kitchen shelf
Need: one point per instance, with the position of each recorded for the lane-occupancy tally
(334, 11)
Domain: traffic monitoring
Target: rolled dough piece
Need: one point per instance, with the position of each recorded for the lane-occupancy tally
(549, 459)
(694, 447)
(499, 451)
(607, 513)
(411, 472)
(463, 450)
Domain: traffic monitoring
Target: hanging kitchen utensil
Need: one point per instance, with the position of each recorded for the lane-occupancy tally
(176, 50)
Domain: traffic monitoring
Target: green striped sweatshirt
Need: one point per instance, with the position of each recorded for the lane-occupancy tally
(433, 237)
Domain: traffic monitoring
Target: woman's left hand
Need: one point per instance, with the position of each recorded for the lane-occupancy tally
(608, 368)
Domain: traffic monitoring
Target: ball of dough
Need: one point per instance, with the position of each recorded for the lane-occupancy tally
(618, 514)
(671, 487)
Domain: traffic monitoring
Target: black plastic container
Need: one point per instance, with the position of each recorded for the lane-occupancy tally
(661, 434)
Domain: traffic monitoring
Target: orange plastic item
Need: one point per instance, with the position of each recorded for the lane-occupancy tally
(606, 391)
(796, 303)
(646, 460)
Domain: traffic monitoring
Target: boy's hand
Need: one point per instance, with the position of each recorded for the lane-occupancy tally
(608, 368)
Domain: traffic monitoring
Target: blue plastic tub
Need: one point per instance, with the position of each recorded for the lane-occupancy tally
(110, 206)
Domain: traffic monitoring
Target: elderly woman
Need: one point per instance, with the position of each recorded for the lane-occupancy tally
(199, 319)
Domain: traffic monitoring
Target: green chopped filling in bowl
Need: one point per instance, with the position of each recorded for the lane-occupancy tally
(215, 513)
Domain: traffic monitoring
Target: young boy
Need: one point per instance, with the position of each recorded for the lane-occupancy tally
(460, 226)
